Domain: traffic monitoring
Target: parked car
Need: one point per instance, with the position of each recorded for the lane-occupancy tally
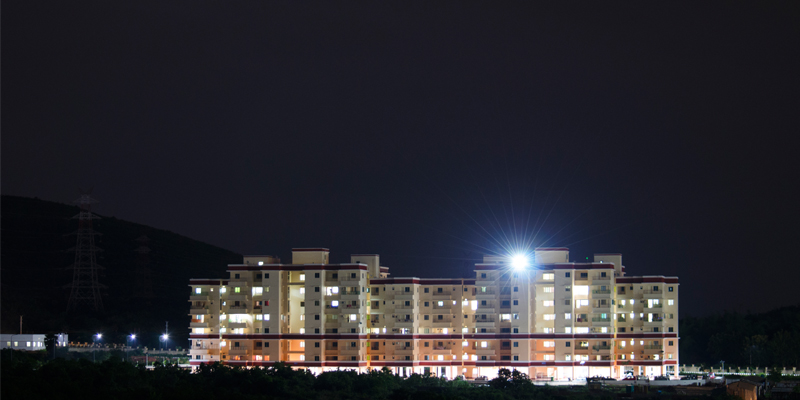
(661, 378)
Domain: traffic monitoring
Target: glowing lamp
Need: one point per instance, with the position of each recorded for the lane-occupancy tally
(519, 261)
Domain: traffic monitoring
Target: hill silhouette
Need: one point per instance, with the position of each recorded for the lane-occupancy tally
(36, 237)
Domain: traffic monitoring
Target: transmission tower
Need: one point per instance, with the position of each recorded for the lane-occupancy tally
(85, 287)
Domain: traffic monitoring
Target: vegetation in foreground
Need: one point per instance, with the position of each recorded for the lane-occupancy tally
(33, 378)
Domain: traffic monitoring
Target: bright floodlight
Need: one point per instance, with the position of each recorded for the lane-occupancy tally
(165, 336)
(99, 335)
(519, 261)
(133, 336)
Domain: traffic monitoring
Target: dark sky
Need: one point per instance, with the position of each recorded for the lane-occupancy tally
(427, 132)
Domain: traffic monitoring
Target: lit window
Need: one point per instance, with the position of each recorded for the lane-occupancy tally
(237, 289)
(266, 317)
(548, 303)
(259, 317)
(581, 290)
(260, 263)
(223, 290)
(550, 357)
(302, 344)
(441, 304)
(567, 315)
(567, 330)
(622, 302)
(670, 302)
(483, 344)
(568, 357)
(549, 317)
(257, 291)
(334, 303)
(622, 344)
(548, 289)
(198, 290)
(548, 277)
(465, 343)
(549, 344)
(582, 330)
(302, 277)
(302, 290)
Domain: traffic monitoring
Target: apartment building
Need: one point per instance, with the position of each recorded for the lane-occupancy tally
(550, 319)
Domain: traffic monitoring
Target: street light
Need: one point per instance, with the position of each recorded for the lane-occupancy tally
(95, 338)
(130, 339)
(519, 261)
(165, 338)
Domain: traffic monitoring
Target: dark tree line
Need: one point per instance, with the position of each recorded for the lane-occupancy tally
(770, 339)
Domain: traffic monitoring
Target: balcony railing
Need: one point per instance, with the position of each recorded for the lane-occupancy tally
(653, 347)
(601, 291)
(601, 347)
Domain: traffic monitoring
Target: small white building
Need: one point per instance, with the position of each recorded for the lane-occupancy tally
(31, 342)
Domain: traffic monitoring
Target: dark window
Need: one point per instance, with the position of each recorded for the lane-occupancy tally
(506, 303)
(316, 274)
(316, 302)
(670, 329)
(427, 317)
(483, 358)
(353, 344)
(505, 358)
(316, 317)
(439, 290)
(335, 344)
(670, 342)
(505, 330)
(235, 344)
(439, 317)
(408, 358)
(266, 276)
(266, 330)
(427, 290)
(516, 330)
(516, 358)
(316, 358)
(483, 275)
(655, 329)
(334, 358)
(568, 344)
(316, 344)
(516, 344)
(602, 274)
(483, 302)
(266, 344)
(621, 329)
(584, 274)
(316, 289)
(259, 344)
(316, 330)
(258, 276)
(516, 289)
(407, 289)
(427, 304)
(237, 276)
(408, 303)
(302, 304)
(353, 275)
(506, 344)
(670, 288)
(567, 274)
(427, 344)
(655, 288)
(335, 276)
(516, 302)
(483, 330)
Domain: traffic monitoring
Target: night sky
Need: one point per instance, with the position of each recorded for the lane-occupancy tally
(428, 132)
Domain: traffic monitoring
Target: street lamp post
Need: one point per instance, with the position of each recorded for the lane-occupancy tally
(95, 338)
(131, 338)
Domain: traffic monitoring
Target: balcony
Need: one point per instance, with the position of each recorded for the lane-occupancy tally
(198, 323)
(234, 309)
(659, 305)
(236, 325)
(653, 347)
(601, 278)
(202, 296)
(441, 294)
(601, 293)
(601, 348)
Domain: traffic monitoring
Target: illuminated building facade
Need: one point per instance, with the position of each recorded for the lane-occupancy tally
(552, 318)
